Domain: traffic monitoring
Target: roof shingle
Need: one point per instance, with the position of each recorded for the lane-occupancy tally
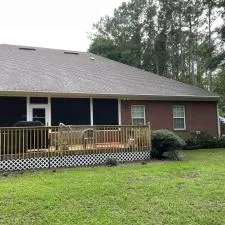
(51, 71)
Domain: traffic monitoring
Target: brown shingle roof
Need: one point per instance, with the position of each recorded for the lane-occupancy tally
(54, 72)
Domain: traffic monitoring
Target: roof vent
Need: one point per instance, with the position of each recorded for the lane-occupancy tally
(92, 58)
(27, 49)
(72, 53)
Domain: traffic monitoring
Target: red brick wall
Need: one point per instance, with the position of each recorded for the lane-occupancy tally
(200, 116)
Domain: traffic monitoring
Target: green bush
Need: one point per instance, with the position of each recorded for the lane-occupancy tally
(174, 155)
(221, 142)
(165, 141)
(203, 141)
(111, 162)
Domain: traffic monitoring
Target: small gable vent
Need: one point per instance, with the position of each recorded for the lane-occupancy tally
(27, 49)
(72, 53)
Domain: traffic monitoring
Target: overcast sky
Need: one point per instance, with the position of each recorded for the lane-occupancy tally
(62, 24)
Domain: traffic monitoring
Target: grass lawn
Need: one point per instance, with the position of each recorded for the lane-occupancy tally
(188, 192)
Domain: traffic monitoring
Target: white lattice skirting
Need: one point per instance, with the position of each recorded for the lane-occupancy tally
(71, 161)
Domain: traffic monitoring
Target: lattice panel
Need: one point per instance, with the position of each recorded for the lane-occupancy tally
(23, 164)
(71, 161)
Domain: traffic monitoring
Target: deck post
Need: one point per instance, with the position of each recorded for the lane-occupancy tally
(119, 112)
(149, 138)
(49, 116)
(28, 108)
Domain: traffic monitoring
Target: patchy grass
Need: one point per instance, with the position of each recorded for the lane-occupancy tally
(188, 192)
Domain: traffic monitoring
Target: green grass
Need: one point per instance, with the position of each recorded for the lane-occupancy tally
(188, 192)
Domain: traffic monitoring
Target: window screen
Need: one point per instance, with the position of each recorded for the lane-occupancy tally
(179, 117)
(138, 114)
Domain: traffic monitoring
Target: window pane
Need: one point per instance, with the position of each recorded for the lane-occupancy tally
(178, 111)
(138, 121)
(39, 100)
(39, 115)
(39, 112)
(178, 123)
(137, 112)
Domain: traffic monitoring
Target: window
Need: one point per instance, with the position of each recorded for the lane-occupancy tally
(138, 114)
(179, 117)
(39, 100)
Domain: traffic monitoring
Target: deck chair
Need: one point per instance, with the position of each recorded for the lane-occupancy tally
(89, 138)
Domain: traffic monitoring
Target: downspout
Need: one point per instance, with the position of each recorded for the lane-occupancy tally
(218, 120)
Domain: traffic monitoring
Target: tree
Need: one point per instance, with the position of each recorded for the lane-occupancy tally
(171, 38)
(123, 32)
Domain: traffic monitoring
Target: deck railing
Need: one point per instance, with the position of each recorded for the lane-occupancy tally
(32, 142)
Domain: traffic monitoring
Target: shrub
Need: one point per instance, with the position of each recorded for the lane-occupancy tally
(174, 155)
(221, 142)
(165, 141)
(111, 162)
(203, 140)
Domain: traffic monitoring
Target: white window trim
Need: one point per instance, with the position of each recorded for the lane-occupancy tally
(138, 117)
(179, 129)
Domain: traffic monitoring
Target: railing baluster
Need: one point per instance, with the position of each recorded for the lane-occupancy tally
(18, 142)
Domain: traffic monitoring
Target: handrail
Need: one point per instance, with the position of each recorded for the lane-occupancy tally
(32, 142)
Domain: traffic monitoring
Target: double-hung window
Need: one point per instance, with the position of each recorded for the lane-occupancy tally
(138, 114)
(179, 122)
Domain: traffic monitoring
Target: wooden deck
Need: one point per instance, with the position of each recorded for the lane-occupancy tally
(34, 142)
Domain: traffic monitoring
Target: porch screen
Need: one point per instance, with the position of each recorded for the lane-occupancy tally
(105, 111)
(70, 111)
(13, 109)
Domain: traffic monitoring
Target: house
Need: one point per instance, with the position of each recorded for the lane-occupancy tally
(71, 87)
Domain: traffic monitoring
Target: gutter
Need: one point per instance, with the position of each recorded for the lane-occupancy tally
(214, 98)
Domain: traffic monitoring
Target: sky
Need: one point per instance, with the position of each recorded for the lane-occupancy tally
(60, 24)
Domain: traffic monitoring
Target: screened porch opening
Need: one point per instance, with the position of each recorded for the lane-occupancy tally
(71, 111)
(83, 111)
(105, 111)
(13, 109)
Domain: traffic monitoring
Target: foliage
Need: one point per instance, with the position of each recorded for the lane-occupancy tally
(175, 39)
(204, 141)
(165, 141)
(175, 193)
(220, 89)
(174, 155)
(111, 162)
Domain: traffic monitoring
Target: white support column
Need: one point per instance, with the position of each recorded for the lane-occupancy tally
(49, 112)
(218, 121)
(91, 112)
(119, 112)
(28, 108)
